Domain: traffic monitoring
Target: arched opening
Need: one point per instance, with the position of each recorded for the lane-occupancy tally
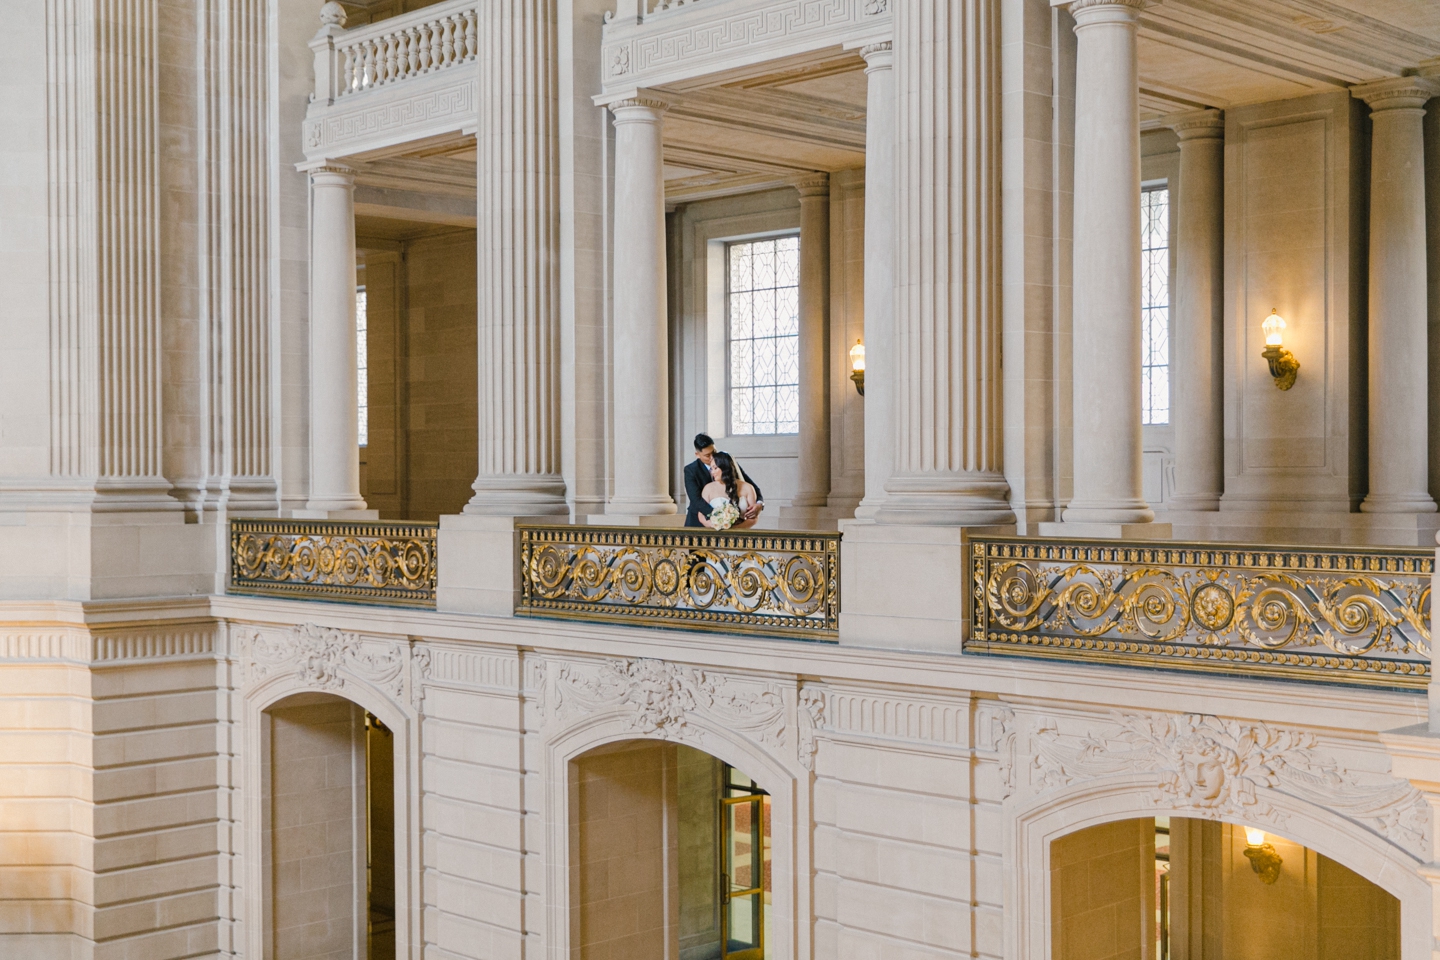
(1176, 888)
(329, 830)
(670, 850)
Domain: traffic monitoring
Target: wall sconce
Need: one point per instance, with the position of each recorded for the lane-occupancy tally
(857, 366)
(1262, 856)
(1283, 365)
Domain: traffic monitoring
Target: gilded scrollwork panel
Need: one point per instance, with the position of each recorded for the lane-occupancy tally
(1349, 615)
(785, 584)
(371, 562)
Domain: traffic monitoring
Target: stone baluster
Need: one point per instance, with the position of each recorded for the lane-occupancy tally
(879, 274)
(517, 215)
(1199, 299)
(1399, 422)
(946, 371)
(642, 389)
(1108, 495)
(814, 400)
(334, 411)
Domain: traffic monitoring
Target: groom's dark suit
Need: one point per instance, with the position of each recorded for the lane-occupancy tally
(697, 475)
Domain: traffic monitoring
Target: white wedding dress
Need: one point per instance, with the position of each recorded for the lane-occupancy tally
(721, 501)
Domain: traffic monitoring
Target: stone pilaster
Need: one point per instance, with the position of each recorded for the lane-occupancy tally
(880, 199)
(518, 223)
(947, 267)
(1106, 286)
(334, 413)
(1198, 376)
(642, 371)
(814, 466)
(1398, 338)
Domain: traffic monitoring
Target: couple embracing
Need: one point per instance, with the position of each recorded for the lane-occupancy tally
(721, 496)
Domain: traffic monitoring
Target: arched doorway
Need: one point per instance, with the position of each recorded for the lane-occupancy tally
(1176, 888)
(671, 851)
(328, 829)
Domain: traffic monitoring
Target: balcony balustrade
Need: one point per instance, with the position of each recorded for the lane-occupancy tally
(1341, 615)
(375, 562)
(761, 583)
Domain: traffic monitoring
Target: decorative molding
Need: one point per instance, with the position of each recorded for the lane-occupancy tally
(661, 699)
(995, 733)
(389, 563)
(1229, 769)
(940, 722)
(447, 666)
(811, 719)
(323, 658)
(195, 641)
(388, 115)
(710, 38)
(1396, 93)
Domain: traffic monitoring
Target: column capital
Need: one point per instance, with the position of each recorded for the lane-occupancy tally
(878, 56)
(640, 97)
(1197, 124)
(812, 185)
(1396, 93)
(328, 171)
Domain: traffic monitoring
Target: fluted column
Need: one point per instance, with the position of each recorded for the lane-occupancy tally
(814, 467)
(642, 373)
(879, 274)
(1399, 468)
(1198, 376)
(518, 234)
(1106, 285)
(334, 411)
(947, 277)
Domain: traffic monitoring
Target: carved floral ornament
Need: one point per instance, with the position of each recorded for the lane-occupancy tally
(323, 658)
(1227, 769)
(664, 699)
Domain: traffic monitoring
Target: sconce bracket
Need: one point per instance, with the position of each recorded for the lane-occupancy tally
(1264, 860)
(859, 377)
(1283, 366)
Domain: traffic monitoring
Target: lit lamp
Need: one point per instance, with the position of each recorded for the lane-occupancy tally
(1283, 365)
(857, 366)
(1262, 856)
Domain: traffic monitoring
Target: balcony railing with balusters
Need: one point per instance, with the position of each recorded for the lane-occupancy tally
(407, 46)
(374, 561)
(1344, 615)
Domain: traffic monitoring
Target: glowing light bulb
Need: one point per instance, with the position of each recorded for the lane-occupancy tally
(1274, 327)
(857, 356)
(1254, 837)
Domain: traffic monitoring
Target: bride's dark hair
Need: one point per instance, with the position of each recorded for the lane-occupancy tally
(728, 474)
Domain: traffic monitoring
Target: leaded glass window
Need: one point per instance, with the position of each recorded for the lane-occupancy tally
(362, 362)
(763, 303)
(1155, 304)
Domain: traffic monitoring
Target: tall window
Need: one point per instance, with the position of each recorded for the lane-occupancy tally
(1155, 304)
(763, 299)
(362, 361)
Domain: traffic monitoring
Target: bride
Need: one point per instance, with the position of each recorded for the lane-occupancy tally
(728, 485)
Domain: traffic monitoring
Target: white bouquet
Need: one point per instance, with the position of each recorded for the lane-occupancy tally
(724, 516)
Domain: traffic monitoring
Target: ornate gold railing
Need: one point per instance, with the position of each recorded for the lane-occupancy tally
(763, 583)
(373, 561)
(1357, 616)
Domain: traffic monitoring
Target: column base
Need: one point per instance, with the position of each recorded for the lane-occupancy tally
(1107, 531)
(518, 495)
(1194, 502)
(1401, 503)
(310, 514)
(1109, 512)
(633, 519)
(947, 500)
(640, 507)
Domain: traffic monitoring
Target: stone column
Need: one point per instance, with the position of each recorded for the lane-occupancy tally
(879, 274)
(1106, 285)
(518, 231)
(947, 268)
(1398, 341)
(642, 371)
(334, 401)
(814, 481)
(1199, 298)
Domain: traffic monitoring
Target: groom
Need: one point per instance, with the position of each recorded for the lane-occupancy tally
(697, 475)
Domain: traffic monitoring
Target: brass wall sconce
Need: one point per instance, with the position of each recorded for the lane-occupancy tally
(1262, 856)
(857, 366)
(1283, 365)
